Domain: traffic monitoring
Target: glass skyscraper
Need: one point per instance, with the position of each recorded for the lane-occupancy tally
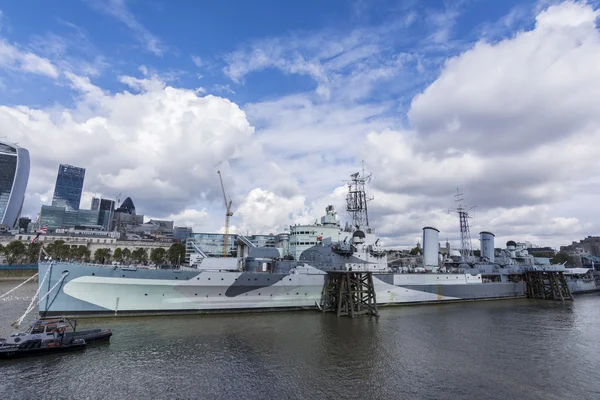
(14, 174)
(69, 185)
(106, 208)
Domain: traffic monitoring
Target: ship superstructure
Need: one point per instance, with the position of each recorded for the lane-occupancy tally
(269, 278)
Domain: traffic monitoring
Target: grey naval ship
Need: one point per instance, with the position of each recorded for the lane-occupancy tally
(293, 276)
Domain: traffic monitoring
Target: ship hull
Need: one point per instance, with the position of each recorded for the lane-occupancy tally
(102, 290)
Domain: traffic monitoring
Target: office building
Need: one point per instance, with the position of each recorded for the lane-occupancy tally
(106, 209)
(59, 217)
(69, 185)
(182, 232)
(24, 223)
(14, 174)
(124, 218)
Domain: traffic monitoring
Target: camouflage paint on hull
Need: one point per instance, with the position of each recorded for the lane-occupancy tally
(105, 290)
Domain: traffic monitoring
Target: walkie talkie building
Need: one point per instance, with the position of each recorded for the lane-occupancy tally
(14, 174)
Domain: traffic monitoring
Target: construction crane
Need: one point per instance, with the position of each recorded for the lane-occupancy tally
(228, 213)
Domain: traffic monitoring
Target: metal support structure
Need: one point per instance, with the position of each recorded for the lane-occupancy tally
(349, 293)
(547, 285)
(466, 248)
(356, 201)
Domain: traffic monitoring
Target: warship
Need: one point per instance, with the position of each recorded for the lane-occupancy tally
(293, 276)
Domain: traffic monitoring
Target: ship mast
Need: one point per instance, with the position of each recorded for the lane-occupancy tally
(356, 201)
(466, 248)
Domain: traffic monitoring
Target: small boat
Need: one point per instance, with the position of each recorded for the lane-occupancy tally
(50, 336)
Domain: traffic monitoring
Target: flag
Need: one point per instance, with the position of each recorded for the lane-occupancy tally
(42, 231)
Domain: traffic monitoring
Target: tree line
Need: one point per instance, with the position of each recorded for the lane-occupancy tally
(17, 252)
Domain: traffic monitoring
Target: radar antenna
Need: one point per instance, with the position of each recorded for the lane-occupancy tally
(356, 201)
(466, 248)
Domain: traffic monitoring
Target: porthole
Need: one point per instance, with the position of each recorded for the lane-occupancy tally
(219, 294)
(93, 273)
(209, 279)
(195, 294)
(145, 294)
(221, 278)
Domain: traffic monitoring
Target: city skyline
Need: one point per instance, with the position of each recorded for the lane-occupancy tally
(494, 98)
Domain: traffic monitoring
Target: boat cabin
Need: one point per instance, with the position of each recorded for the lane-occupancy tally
(41, 329)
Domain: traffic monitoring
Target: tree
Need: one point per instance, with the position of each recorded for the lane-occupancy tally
(157, 256)
(126, 255)
(80, 253)
(416, 251)
(14, 252)
(33, 252)
(560, 258)
(118, 254)
(176, 253)
(102, 256)
(139, 255)
(58, 250)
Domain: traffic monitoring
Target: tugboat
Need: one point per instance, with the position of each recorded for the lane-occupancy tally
(50, 336)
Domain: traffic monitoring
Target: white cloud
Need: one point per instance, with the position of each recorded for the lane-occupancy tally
(265, 212)
(197, 61)
(326, 57)
(190, 217)
(12, 57)
(160, 146)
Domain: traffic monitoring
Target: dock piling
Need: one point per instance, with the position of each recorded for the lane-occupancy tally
(547, 285)
(349, 293)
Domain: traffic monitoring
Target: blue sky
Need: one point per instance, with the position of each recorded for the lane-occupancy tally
(287, 98)
(167, 36)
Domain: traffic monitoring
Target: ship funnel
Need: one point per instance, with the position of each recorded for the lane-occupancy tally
(431, 246)
(487, 245)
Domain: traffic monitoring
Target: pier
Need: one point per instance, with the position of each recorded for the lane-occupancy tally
(547, 285)
(349, 293)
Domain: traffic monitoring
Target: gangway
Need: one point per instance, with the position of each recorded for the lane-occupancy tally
(246, 241)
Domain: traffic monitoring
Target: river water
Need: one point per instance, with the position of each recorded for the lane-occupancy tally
(513, 349)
